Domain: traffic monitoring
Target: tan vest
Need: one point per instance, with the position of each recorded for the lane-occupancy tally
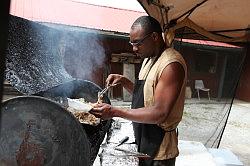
(168, 148)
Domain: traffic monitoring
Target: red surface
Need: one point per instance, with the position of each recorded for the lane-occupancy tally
(208, 43)
(74, 13)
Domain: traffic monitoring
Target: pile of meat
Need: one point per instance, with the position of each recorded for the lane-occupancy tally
(80, 109)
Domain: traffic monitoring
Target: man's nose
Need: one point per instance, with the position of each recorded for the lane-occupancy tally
(135, 48)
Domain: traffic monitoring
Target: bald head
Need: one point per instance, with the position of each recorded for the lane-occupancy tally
(148, 24)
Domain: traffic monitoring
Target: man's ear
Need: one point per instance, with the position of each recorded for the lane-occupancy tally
(155, 36)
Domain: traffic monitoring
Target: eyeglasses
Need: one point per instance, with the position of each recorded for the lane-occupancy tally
(139, 42)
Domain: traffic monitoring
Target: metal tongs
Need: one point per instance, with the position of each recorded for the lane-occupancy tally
(101, 93)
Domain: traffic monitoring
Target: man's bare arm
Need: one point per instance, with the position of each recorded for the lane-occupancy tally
(166, 93)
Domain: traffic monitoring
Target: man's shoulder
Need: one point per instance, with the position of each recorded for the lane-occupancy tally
(170, 54)
(170, 51)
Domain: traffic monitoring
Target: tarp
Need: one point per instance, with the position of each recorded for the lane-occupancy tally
(223, 20)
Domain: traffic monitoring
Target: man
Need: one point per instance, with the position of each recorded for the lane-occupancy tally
(158, 94)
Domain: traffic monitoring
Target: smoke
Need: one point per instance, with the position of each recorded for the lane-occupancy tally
(83, 54)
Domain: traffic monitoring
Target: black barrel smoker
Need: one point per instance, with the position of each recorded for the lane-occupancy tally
(37, 130)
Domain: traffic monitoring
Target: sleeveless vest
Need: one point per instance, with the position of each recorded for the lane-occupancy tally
(168, 148)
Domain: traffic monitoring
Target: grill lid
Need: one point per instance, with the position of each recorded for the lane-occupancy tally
(37, 131)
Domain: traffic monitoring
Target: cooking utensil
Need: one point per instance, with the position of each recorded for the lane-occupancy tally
(128, 152)
(107, 88)
(131, 153)
(122, 141)
(101, 93)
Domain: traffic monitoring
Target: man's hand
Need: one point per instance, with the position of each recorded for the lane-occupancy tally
(102, 110)
(114, 79)
(120, 79)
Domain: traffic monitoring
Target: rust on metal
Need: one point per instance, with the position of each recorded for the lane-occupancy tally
(29, 154)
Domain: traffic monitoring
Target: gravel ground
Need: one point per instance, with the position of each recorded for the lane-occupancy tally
(203, 121)
(237, 132)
